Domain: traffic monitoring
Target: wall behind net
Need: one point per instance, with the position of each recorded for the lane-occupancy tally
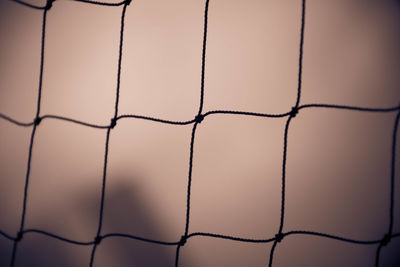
(338, 164)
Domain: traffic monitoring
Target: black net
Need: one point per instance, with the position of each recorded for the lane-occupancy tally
(180, 242)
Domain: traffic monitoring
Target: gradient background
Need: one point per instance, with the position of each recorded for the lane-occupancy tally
(338, 162)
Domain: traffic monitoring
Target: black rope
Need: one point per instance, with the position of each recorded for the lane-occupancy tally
(37, 231)
(279, 236)
(49, 3)
(211, 235)
(208, 113)
(103, 3)
(393, 174)
(387, 237)
(292, 114)
(203, 57)
(24, 124)
(29, 5)
(199, 118)
(148, 240)
(390, 109)
(35, 125)
(113, 123)
(303, 21)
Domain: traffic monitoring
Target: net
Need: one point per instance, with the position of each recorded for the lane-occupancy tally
(181, 241)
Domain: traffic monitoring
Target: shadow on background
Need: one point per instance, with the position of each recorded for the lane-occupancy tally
(124, 209)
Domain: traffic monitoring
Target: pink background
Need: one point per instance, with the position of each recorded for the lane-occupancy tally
(338, 162)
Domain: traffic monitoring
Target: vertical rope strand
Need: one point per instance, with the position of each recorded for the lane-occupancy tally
(300, 74)
(98, 237)
(279, 236)
(203, 57)
(37, 121)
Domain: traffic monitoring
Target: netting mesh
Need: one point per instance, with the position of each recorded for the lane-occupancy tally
(181, 241)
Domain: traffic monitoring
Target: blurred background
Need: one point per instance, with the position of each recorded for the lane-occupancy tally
(338, 162)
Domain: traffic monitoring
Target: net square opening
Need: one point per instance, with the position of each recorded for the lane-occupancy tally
(162, 58)
(236, 184)
(81, 63)
(147, 180)
(20, 60)
(350, 57)
(252, 55)
(338, 173)
(66, 167)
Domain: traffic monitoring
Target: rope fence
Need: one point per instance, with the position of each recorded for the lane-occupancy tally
(179, 243)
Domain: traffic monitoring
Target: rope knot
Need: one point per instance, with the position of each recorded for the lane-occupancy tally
(19, 236)
(294, 112)
(113, 123)
(49, 4)
(182, 242)
(279, 237)
(97, 240)
(385, 240)
(37, 121)
(199, 118)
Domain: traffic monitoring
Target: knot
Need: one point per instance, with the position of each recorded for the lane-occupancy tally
(279, 237)
(19, 236)
(182, 242)
(49, 4)
(37, 121)
(199, 118)
(113, 123)
(385, 240)
(127, 2)
(97, 240)
(294, 112)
